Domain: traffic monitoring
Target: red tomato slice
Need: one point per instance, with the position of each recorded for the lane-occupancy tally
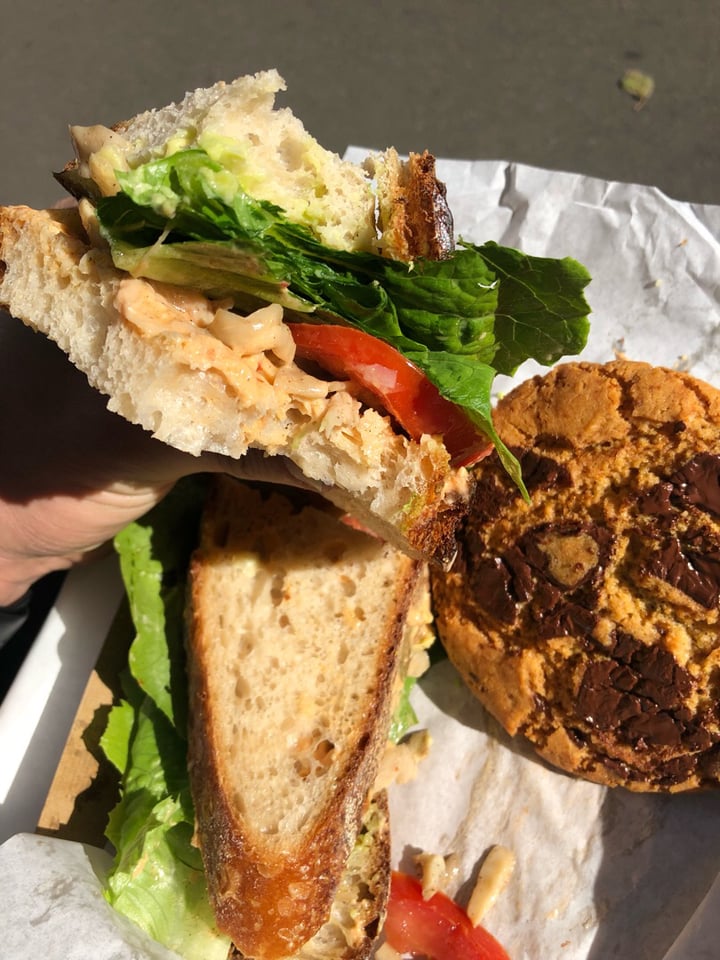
(401, 387)
(436, 928)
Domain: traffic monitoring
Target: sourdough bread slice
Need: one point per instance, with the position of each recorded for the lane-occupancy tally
(162, 356)
(404, 214)
(274, 156)
(294, 641)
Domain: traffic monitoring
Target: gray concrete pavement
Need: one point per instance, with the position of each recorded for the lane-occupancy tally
(522, 80)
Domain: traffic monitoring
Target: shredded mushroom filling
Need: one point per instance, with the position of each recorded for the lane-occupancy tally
(262, 331)
(261, 335)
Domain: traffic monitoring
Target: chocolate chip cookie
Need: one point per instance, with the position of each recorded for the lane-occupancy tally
(588, 619)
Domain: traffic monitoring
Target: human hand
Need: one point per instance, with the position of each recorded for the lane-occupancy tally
(73, 473)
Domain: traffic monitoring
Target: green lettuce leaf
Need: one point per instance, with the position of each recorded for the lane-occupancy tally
(185, 219)
(530, 286)
(404, 717)
(157, 878)
(153, 560)
(117, 736)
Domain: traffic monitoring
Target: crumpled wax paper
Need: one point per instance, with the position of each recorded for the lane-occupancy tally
(599, 873)
(53, 902)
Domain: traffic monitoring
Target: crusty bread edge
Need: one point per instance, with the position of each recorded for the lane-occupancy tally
(231, 859)
(368, 872)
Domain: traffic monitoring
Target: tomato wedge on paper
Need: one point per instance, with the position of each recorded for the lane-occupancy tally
(401, 387)
(436, 928)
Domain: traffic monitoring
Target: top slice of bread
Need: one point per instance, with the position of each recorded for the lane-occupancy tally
(274, 157)
(407, 217)
(295, 637)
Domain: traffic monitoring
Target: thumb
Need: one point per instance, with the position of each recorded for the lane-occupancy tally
(258, 466)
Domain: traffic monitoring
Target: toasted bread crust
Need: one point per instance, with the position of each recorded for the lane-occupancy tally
(360, 906)
(414, 217)
(272, 887)
(430, 220)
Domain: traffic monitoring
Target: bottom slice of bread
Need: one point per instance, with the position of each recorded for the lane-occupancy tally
(358, 911)
(294, 643)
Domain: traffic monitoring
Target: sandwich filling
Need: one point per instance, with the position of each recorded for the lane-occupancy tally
(234, 198)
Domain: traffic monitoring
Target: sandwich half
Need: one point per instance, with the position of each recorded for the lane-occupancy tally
(301, 630)
(229, 284)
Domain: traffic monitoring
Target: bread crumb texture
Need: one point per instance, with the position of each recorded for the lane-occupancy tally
(294, 642)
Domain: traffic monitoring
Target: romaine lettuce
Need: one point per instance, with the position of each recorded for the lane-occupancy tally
(157, 879)
(185, 219)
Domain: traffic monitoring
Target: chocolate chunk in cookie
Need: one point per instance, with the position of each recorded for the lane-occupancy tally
(588, 620)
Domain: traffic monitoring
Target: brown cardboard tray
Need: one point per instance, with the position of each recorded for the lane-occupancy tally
(84, 788)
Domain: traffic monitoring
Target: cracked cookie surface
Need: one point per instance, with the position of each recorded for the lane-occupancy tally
(588, 620)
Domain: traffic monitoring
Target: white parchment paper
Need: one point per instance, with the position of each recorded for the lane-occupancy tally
(600, 874)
